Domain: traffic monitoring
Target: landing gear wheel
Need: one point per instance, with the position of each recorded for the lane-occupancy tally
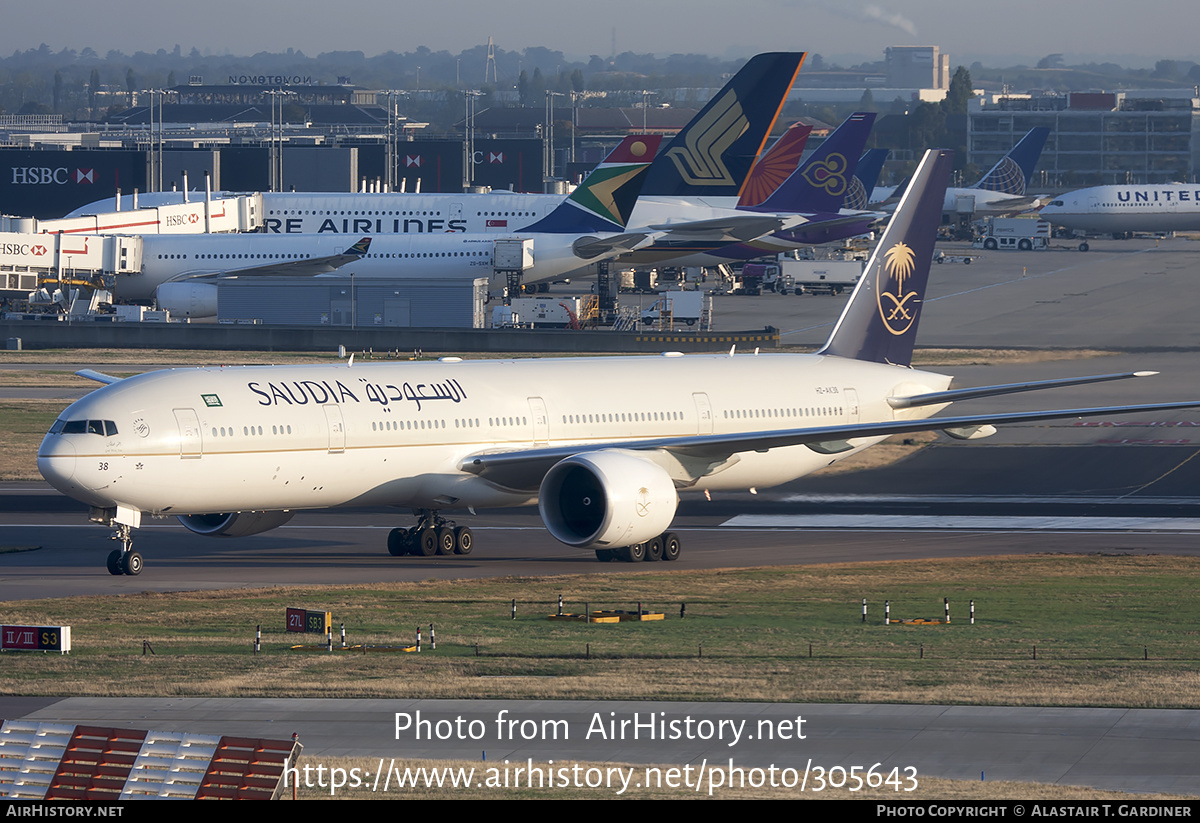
(634, 554)
(654, 549)
(397, 542)
(426, 543)
(464, 541)
(605, 555)
(114, 562)
(131, 564)
(445, 540)
(671, 546)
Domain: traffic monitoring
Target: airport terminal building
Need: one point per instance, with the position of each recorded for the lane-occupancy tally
(1096, 138)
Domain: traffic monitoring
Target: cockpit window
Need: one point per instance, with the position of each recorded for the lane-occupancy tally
(104, 428)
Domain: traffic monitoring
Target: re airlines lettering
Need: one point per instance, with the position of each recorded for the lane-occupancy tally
(364, 225)
(320, 392)
(1163, 196)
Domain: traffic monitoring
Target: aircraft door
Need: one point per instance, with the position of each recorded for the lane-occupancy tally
(851, 396)
(191, 440)
(337, 428)
(704, 417)
(541, 421)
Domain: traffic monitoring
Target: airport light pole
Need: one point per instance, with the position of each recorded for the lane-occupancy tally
(550, 95)
(469, 96)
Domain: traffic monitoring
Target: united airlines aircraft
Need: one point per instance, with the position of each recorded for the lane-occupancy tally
(1152, 208)
(604, 446)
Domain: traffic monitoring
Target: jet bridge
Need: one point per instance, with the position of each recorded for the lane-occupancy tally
(32, 261)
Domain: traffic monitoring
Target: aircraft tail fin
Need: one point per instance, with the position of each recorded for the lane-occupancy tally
(870, 165)
(605, 199)
(775, 166)
(712, 155)
(820, 185)
(879, 323)
(1015, 169)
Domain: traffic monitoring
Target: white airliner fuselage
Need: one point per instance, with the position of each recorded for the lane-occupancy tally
(986, 203)
(1163, 207)
(399, 434)
(168, 258)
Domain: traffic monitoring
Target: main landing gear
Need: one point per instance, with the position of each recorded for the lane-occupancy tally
(666, 546)
(433, 535)
(124, 560)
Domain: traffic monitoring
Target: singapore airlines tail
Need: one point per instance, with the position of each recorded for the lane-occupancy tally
(713, 154)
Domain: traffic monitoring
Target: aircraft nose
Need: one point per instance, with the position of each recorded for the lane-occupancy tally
(56, 462)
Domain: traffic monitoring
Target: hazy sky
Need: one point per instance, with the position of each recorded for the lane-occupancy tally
(996, 32)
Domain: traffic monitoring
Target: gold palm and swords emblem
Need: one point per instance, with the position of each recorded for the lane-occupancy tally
(897, 307)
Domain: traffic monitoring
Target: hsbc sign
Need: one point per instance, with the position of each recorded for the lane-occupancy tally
(18, 249)
(43, 175)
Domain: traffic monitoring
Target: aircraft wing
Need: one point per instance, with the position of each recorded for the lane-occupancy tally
(294, 268)
(736, 228)
(591, 247)
(700, 454)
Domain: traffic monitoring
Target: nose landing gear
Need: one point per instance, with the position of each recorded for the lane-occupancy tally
(124, 560)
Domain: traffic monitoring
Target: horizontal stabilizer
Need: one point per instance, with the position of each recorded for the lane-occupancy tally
(99, 377)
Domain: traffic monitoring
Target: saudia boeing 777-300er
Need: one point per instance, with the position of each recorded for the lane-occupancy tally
(604, 446)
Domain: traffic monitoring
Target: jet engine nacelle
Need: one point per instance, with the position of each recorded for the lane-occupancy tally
(188, 299)
(236, 524)
(607, 498)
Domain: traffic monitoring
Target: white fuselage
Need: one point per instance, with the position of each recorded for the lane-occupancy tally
(1156, 208)
(197, 441)
(985, 202)
(167, 258)
(355, 215)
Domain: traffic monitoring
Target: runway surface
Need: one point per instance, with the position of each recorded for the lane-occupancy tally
(1134, 750)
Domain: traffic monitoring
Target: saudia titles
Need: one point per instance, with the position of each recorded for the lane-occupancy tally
(897, 307)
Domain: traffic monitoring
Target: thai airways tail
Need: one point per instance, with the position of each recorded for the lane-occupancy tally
(605, 199)
(713, 154)
(820, 185)
(879, 323)
(1012, 174)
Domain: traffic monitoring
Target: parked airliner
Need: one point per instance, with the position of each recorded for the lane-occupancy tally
(604, 446)
(587, 226)
(1153, 208)
(1003, 190)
